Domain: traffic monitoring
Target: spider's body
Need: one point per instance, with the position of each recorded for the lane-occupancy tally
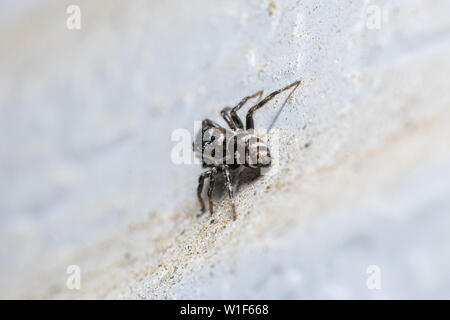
(222, 150)
(236, 147)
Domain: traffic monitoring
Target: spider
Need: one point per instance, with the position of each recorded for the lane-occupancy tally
(222, 150)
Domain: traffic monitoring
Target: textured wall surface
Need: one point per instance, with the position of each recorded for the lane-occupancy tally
(86, 118)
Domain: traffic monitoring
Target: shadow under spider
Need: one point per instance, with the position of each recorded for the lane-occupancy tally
(241, 180)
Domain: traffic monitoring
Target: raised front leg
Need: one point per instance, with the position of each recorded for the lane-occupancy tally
(249, 120)
(227, 118)
(234, 111)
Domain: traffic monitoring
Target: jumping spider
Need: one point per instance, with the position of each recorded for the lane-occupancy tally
(237, 146)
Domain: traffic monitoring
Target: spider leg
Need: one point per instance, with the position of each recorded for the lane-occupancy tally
(227, 118)
(249, 120)
(226, 174)
(212, 181)
(201, 180)
(234, 111)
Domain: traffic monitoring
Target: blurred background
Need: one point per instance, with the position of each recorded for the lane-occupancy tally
(91, 92)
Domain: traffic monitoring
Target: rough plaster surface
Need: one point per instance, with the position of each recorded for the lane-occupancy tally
(85, 135)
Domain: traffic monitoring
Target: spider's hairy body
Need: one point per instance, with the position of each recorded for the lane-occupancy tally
(222, 150)
(237, 148)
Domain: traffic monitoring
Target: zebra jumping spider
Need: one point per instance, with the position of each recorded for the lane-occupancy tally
(222, 150)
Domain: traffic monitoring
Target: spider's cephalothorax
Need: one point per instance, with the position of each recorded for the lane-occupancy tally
(222, 150)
